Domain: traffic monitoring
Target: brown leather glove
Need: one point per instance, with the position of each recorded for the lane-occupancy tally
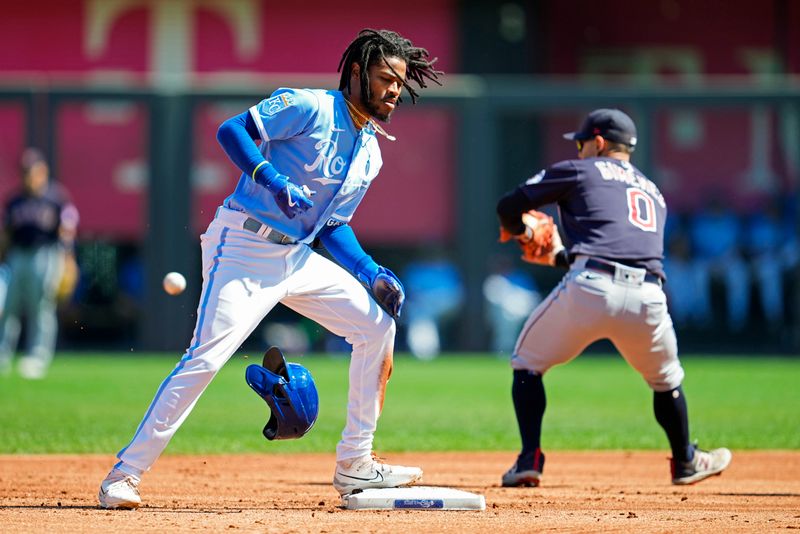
(540, 242)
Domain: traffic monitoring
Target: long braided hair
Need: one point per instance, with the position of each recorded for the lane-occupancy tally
(372, 46)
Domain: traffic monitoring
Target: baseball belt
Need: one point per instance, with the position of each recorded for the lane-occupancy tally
(270, 234)
(609, 268)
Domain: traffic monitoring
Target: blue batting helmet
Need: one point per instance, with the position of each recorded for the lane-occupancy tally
(289, 390)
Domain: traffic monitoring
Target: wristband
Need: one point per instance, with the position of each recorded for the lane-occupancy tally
(269, 177)
(253, 176)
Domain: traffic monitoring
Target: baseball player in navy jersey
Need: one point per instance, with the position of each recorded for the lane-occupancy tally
(307, 158)
(613, 218)
(40, 224)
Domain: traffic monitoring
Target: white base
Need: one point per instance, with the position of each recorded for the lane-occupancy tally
(414, 498)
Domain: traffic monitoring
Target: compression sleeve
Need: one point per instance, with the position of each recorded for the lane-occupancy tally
(237, 137)
(343, 245)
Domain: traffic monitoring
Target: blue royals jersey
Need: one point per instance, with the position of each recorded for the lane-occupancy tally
(308, 135)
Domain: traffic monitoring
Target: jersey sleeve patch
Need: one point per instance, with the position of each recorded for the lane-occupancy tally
(285, 114)
(278, 103)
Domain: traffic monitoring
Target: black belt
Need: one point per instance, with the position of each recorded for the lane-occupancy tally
(274, 236)
(597, 265)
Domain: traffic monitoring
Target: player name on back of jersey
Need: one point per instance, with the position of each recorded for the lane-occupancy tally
(612, 170)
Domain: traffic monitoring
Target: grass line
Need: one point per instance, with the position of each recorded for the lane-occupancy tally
(93, 403)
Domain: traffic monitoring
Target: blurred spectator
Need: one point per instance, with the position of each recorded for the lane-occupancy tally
(511, 294)
(434, 292)
(790, 252)
(681, 288)
(40, 224)
(289, 336)
(5, 275)
(715, 233)
(130, 278)
(771, 245)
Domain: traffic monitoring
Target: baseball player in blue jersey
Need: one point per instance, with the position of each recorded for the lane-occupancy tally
(40, 223)
(613, 217)
(317, 156)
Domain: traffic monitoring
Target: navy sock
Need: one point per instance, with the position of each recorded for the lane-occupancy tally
(527, 392)
(673, 416)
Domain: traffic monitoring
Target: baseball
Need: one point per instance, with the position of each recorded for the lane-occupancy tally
(174, 283)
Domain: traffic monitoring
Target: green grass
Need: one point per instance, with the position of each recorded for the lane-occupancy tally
(93, 403)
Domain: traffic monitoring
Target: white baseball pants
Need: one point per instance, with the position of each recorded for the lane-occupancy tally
(244, 277)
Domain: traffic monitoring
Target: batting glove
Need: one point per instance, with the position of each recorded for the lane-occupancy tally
(290, 198)
(388, 292)
(293, 200)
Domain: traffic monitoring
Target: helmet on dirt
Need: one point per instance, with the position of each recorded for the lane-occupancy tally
(290, 392)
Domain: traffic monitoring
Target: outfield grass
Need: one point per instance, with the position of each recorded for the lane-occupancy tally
(93, 403)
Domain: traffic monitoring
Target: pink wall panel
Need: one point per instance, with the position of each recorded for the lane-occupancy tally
(102, 161)
(314, 38)
(50, 36)
(12, 142)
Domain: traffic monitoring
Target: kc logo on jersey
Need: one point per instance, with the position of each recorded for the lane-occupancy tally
(278, 103)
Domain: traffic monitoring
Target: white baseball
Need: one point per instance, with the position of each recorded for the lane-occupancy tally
(174, 283)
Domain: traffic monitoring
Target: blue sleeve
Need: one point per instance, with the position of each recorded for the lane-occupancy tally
(342, 244)
(237, 136)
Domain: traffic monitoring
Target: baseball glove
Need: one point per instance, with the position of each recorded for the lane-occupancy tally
(540, 242)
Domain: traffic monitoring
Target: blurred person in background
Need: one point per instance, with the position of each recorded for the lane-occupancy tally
(40, 224)
(511, 294)
(5, 275)
(681, 290)
(715, 233)
(790, 250)
(769, 240)
(435, 292)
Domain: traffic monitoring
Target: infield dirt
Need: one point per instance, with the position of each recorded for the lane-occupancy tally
(581, 492)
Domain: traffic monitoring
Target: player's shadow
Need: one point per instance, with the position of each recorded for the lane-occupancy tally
(49, 507)
(756, 494)
(237, 510)
(469, 487)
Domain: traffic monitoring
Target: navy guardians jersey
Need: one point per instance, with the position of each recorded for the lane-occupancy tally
(608, 209)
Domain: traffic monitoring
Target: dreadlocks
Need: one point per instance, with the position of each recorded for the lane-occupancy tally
(372, 46)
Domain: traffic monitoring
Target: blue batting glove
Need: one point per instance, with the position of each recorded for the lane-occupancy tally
(293, 200)
(388, 292)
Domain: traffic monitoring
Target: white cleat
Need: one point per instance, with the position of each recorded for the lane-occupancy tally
(704, 464)
(119, 490)
(368, 472)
